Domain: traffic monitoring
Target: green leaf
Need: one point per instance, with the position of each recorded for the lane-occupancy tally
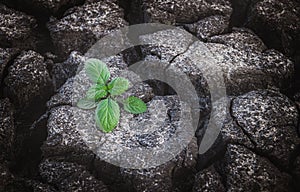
(96, 92)
(86, 103)
(118, 86)
(107, 115)
(97, 71)
(134, 105)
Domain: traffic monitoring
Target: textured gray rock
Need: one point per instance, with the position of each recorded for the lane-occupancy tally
(16, 29)
(28, 78)
(177, 11)
(243, 70)
(242, 39)
(208, 180)
(247, 171)
(175, 175)
(6, 56)
(70, 177)
(63, 71)
(82, 26)
(7, 130)
(270, 120)
(209, 26)
(277, 22)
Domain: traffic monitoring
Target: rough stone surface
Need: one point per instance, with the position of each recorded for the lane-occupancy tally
(51, 6)
(63, 71)
(82, 26)
(178, 11)
(270, 120)
(243, 70)
(247, 171)
(208, 180)
(242, 39)
(175, 175)
(277, 22)
(6, 177)
(209, 26)
(6, 56)
(16, 29)
(70, 177)
(7, 129)
(28, 77)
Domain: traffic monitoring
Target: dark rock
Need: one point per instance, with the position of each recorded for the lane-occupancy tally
(37, 186)
(6, 56)
(239, 13)
(7, 130)
(179, 11)
(208, 180)
(6, 177)
(16, 29)
(242, 39)
(82, 26)
(28, 78)
(50, 6)
(277, 22)
(270, 120)
(296, 170)
(247, 171)
(63, 71)
(209, 26)
(70, 177)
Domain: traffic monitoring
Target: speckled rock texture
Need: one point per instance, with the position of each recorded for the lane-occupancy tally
(65, 70)
(242, 39)
(51, 6)
(244, 70)
(6, 55)
(178, 11)
(278, 22)
(209, 26)
(69, 177)
(82, 26)
(246, 171)
(7, 129)
(48, 144)
(16, 29)
(208, 180)
(28, 77)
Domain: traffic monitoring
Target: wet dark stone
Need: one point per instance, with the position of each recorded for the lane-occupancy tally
(82, 26)
(17, 29)
(28, 78)
(244, 170)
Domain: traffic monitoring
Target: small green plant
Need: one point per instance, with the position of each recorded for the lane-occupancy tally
(103, 96)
